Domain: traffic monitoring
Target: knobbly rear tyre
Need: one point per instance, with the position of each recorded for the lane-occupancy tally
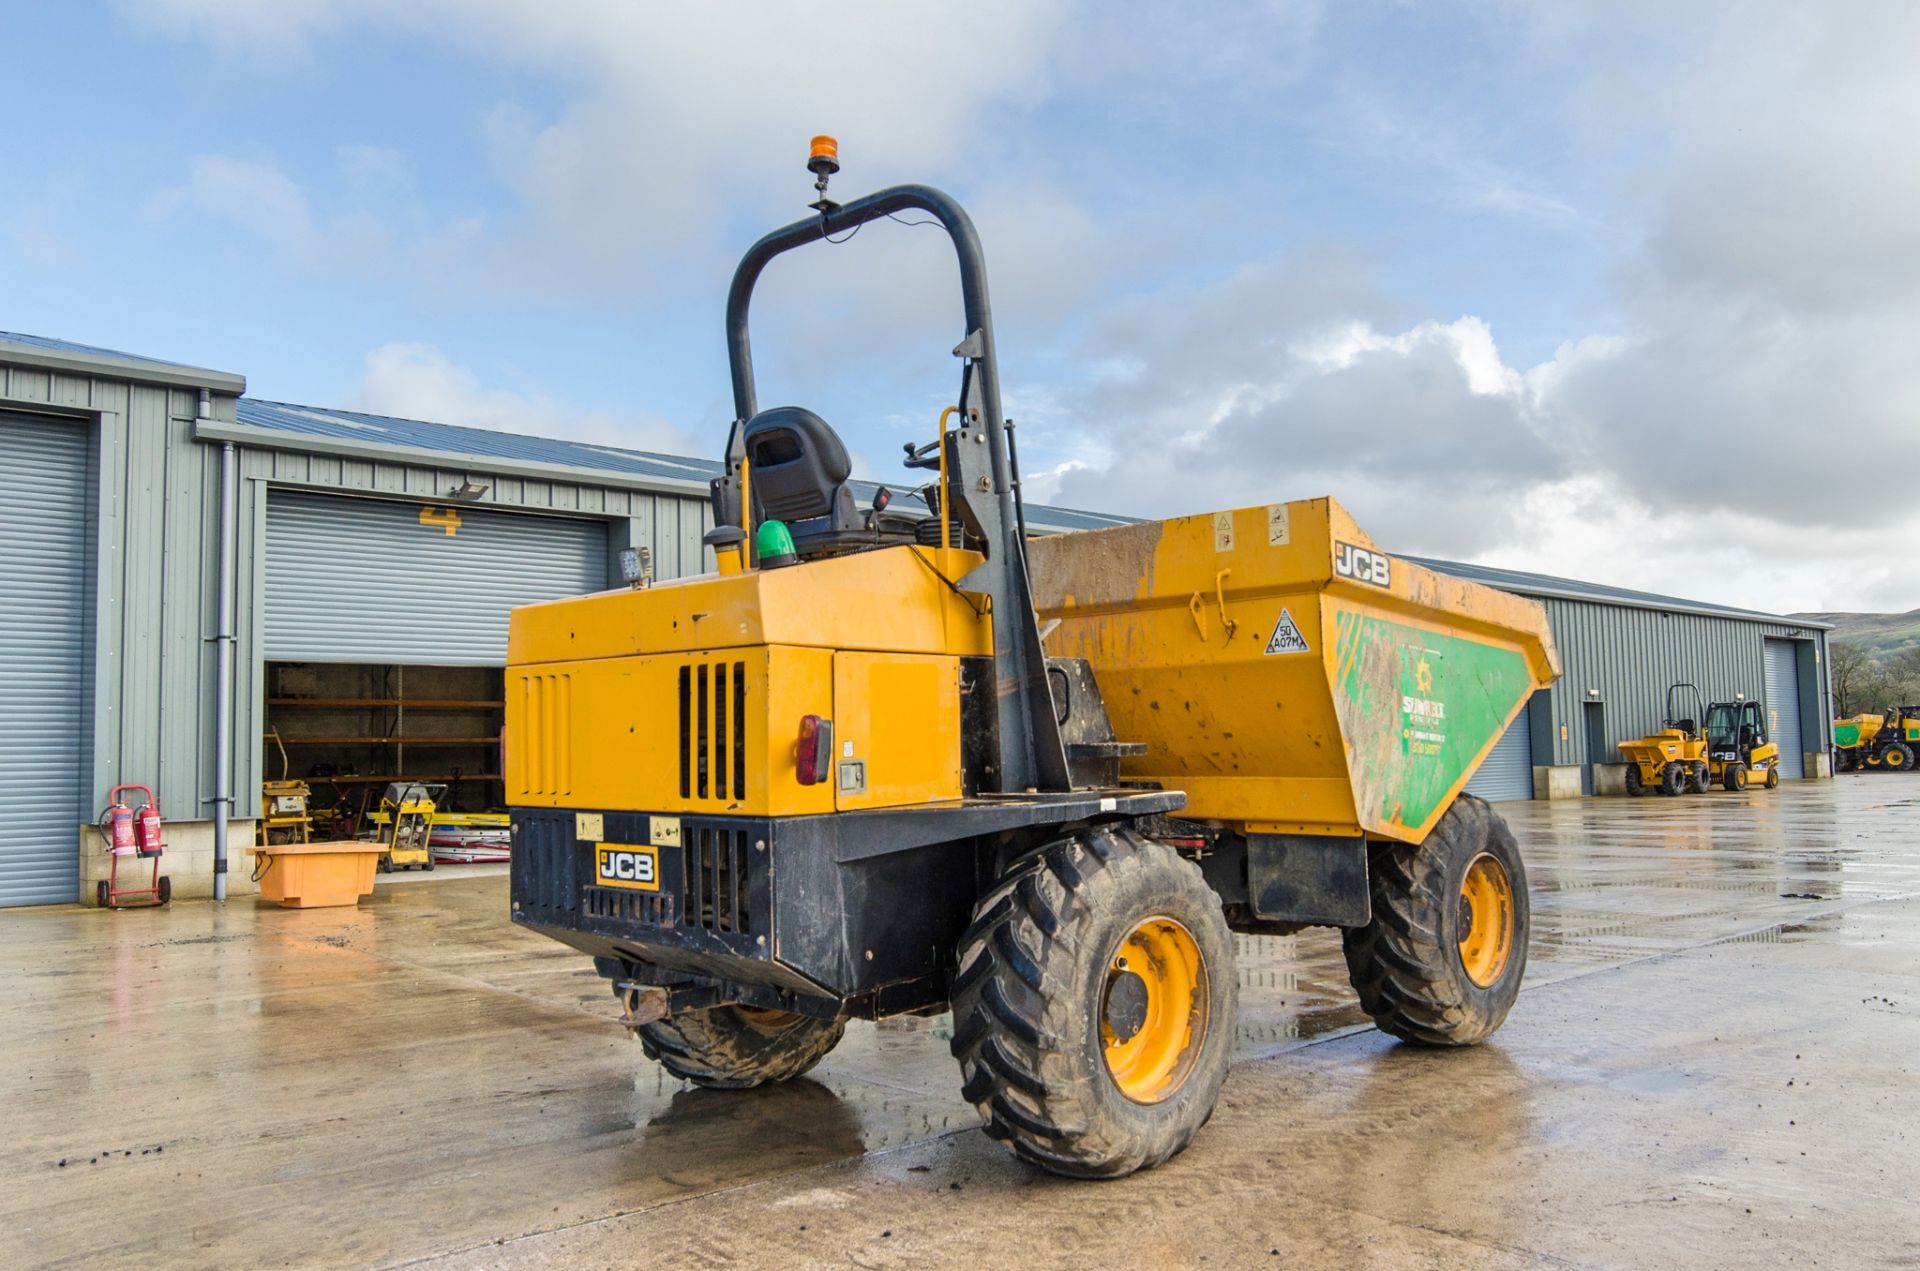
(1034, 1004)
(736, 1047)
(1407, 964)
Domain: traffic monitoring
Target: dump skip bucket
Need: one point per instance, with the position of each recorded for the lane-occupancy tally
(1286, 673)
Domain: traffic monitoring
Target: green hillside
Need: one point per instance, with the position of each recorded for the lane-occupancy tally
(1882, 634)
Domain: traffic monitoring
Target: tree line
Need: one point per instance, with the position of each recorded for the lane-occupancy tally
(1864, 683)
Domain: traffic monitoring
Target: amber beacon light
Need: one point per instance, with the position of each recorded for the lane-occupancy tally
(823, 160)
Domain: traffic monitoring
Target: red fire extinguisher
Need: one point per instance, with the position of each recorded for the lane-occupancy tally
(120, 817)
(133, 833)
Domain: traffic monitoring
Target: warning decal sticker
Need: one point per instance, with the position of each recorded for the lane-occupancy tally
(1286, 636)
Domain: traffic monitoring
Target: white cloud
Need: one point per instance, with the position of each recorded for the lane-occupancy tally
(675, 115)
(262, 201)
(1736, 426)
(1441, 447)
(418, 381)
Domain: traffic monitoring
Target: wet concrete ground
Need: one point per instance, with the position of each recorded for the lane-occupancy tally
(1717, 1062)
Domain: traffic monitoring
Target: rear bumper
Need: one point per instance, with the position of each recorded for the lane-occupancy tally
(862, 909)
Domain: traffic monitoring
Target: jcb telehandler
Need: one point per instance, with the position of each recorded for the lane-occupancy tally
(1886, 742)
(1674, 759)
(1738, 752)
(848, 774)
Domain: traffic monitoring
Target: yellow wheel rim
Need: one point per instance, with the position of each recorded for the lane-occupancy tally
(1153, 1010)
(1487, 920)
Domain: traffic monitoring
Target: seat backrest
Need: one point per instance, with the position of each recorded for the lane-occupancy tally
(797, 463)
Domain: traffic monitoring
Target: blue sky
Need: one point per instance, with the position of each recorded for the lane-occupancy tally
(1497, 275)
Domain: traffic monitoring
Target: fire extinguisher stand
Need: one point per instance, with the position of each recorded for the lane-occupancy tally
(131, 832)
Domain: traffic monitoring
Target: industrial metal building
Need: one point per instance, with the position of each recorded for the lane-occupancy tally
(361, 602)
(1619, 651)
(372, 562)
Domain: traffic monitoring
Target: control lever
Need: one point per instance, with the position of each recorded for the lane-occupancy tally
(923, 456)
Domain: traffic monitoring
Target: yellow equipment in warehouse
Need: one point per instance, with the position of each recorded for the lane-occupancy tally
(404, 824)
(285, 814)
(1886, 742)
(1674, 759)
(1738, 751)
(883, 764)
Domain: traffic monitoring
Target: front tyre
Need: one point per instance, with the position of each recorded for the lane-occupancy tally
(1440, 962)
(1735, 777)
(1675, 779)
(1702, 777)
(1094, 1005)
(735, 1047)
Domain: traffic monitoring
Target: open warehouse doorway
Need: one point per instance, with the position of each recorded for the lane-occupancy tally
(385, 635)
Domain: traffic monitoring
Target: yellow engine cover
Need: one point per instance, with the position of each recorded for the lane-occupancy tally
(687, 697)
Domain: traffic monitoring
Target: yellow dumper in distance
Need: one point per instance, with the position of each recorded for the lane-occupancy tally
(1286, 673)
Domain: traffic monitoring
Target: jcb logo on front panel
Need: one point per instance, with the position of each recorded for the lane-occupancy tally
(1362, 564)
(624, 865)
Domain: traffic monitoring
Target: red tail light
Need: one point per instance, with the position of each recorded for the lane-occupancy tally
(813, 757)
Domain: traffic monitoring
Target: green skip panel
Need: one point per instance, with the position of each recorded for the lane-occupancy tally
(1417, 709)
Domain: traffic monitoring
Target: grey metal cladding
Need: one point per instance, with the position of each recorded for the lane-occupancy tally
(378, 580)
(45, 607)
(1624, 657)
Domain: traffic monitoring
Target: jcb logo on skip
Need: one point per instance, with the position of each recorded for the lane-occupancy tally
(1362, 564)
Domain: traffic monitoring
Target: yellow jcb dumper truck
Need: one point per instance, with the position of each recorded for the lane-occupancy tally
(1674, 759)
(848, 775)
(1886, 742)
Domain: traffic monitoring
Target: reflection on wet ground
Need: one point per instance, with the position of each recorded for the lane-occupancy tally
(413, 1075)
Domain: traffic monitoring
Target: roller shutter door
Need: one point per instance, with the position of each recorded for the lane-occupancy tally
(412, 584)
(1783, 706)
(1507, 772)
(45, 646)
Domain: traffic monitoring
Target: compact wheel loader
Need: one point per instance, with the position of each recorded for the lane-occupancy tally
(882, 764)
(1674, 759)
(1887, 742)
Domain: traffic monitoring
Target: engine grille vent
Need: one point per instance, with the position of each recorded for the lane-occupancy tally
(713, 732)
(717, 892)
(652, 909)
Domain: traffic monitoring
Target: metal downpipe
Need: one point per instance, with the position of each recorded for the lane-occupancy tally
(223, 670)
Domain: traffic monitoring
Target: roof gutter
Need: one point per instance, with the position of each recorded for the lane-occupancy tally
(1587, 597)
(120, 368)
(256, 438)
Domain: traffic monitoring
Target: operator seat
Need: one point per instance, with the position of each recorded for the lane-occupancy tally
(797, 471)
